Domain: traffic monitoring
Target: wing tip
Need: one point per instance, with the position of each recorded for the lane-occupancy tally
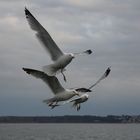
(27, 12)
(89, 51)
(26, 70)
(108, 71)
(26, 8)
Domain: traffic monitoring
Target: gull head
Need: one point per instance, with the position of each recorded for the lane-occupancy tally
(68, 57)
(86, 96)
(83, 98)
(71, 55)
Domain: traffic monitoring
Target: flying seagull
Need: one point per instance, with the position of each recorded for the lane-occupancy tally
(84, 97)
(77, 102)
(59, 58)
(60, 94)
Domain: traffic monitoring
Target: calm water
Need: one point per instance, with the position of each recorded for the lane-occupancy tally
(69, 131)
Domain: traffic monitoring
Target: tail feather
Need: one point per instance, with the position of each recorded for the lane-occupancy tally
(48, 101)
(75, 104)
(50, 70)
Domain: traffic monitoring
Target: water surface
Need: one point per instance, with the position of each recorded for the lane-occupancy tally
(69, 131)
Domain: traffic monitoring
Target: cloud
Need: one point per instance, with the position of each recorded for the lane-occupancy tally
(110, 28)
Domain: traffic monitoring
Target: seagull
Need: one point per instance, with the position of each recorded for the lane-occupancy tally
(59, 58)
(76, 102)
(84, 97)
(60, 94)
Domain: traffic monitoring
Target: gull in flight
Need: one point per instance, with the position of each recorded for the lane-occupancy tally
(59, 58)
(84, 97)
(60, 94)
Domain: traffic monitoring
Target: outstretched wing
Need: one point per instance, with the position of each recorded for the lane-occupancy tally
(102, 77)
(83, 90)
(43, 36)
(51, 81)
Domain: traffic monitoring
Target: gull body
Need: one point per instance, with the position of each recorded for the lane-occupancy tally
(60, 59)
(77, 102)
(59, 65)
(60, 94)
(63, 61)
(63, 96)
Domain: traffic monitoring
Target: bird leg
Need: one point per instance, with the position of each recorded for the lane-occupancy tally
(52, 103)
(63, 75)
(55, 105)
(78, 107)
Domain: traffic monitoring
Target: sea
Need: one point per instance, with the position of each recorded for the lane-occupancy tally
(69, 131)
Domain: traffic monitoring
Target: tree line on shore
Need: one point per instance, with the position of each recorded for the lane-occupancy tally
(71, 119)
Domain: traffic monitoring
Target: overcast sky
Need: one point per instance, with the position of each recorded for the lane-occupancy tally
(111, 28)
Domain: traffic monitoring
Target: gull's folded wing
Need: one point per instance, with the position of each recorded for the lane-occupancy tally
(76, 100)
(51, 81)
(43, 36)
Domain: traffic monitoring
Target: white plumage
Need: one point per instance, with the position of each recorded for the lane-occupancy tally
(60, 93)
(61, 60)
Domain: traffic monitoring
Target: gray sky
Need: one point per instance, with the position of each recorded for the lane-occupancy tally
(111, 28)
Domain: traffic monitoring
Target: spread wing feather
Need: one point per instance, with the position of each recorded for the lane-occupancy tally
(43, 36)
(51, 81)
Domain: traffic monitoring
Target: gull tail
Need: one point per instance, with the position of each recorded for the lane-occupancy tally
(50, 101)
(47, 101)
(50, 70)
(76, 105)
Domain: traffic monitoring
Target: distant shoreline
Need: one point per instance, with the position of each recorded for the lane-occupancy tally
(71, 119)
